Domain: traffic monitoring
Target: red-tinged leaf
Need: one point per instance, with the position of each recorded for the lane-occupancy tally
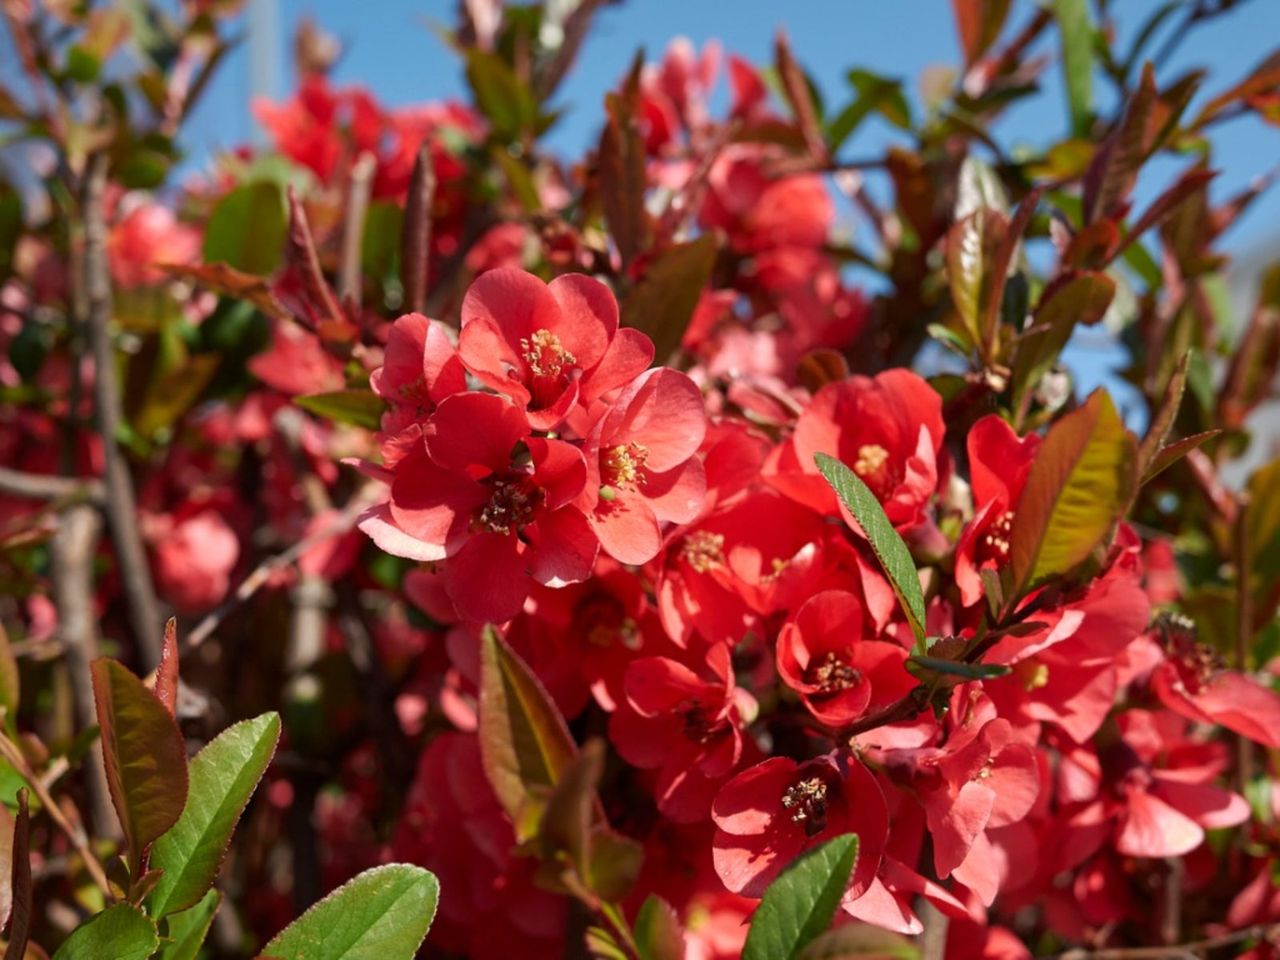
(1264, 78)
(1186, 186)
(1173, 452)
(972, 244)
(1256, 357)
(224, 279)
(1080, 298)
(1003, 258)
(795, 85)
(979, 23)
(302, 256)
(621, 163)
(146, 760)
(1164, 415)
(1093, 246)
(1114, 169)
(524, 742)
(657, 931)
(1076, 491)
(415, 235)
(566, 822)
(20, 882)
(820, 367)
(166, 687)
(662, 304)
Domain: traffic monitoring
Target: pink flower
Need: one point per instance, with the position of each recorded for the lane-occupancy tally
(420, 368)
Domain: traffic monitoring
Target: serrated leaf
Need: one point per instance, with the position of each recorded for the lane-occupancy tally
(361, 408)
(524, 742)
(188, 929)
(247, 229)
(662, 303)
(1077, 489)
(383, 914)
(860, 940)
(223, 776)
(657, 930)
(121, 932)
(799, 904)
(888, 546)
(145, 758)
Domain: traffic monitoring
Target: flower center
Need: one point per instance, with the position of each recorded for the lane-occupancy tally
(510, 507)
(996, 539)
(623, 464)
(831, 674)
(871, 459)
(545, 355)
(693, 717)
(807, 802)
(1197, 662)
(703, 549)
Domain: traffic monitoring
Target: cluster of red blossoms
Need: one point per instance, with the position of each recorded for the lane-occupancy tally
(695, 576)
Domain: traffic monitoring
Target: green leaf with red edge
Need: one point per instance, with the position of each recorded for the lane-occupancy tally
(360, 408)
(662, 303)
(524, 742)
(1114, 168)
(978, 23)
(1264, 78)
(223, 777)
(1078, 487)
(20, 882)
(972, 246)
(885, 542)
(384, 912)
(1171, 453)
(657, 930)
(1078, 298)
(799, 904)
(146, 760)
(1164, 415)
(227, 281)
(121, 932)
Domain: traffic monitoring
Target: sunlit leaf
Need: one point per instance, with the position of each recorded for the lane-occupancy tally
(247, 228)
(187, 930)
(121, 932)
(799, 904)
(361, 408)
(657, 931)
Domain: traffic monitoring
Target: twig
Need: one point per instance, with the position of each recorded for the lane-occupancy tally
(933, 941)
(360, 501)
(9, 750)
(1262, 931)
(35, 486)
(121, 506)
(349, 280)
(415, 240)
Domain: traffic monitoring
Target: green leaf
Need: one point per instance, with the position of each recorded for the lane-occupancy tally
(1077, 60)
(657, 931)
(860, 940)
(145, 757)
(362, 408)
(383, 914)
(122, 932)
(247, 228)
(506, 102)
(662, 304)
(920, 666)
(223, 777)
(524, 742)
(188, 929)
(874, 94)
(1173, 452)
(10, 685)
(889, 549)
(800, 903)
(1077, 489)
(1163, 416)
(971, 254)
(1082, 298)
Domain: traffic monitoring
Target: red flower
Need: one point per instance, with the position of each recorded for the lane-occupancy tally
(999, 462)
(642, 465)
(420, 368)
(494, 500)
(687, 728)
(768, 815)
(888, 429)
(548, 346)
(823, 656)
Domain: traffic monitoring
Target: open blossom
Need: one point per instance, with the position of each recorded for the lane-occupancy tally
(824, 656)
(420, 368)
(686, 727)
(769, 814)
(888, 429)
(549, 346)
(642, 465)
(495, 500)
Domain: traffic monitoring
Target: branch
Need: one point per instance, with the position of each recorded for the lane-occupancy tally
(344, 521)
(35, 486)
(121, 506)
(415, 240)
(1268, 932)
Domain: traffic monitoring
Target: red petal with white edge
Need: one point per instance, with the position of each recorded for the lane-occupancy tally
(487, 580)
(627, 528)
(663, 412)
(377, 525)
(1152, 828)
(517, 303)
(588, 317)
(628, 356)
(676, 496)
(475, 429)
(564, 548)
